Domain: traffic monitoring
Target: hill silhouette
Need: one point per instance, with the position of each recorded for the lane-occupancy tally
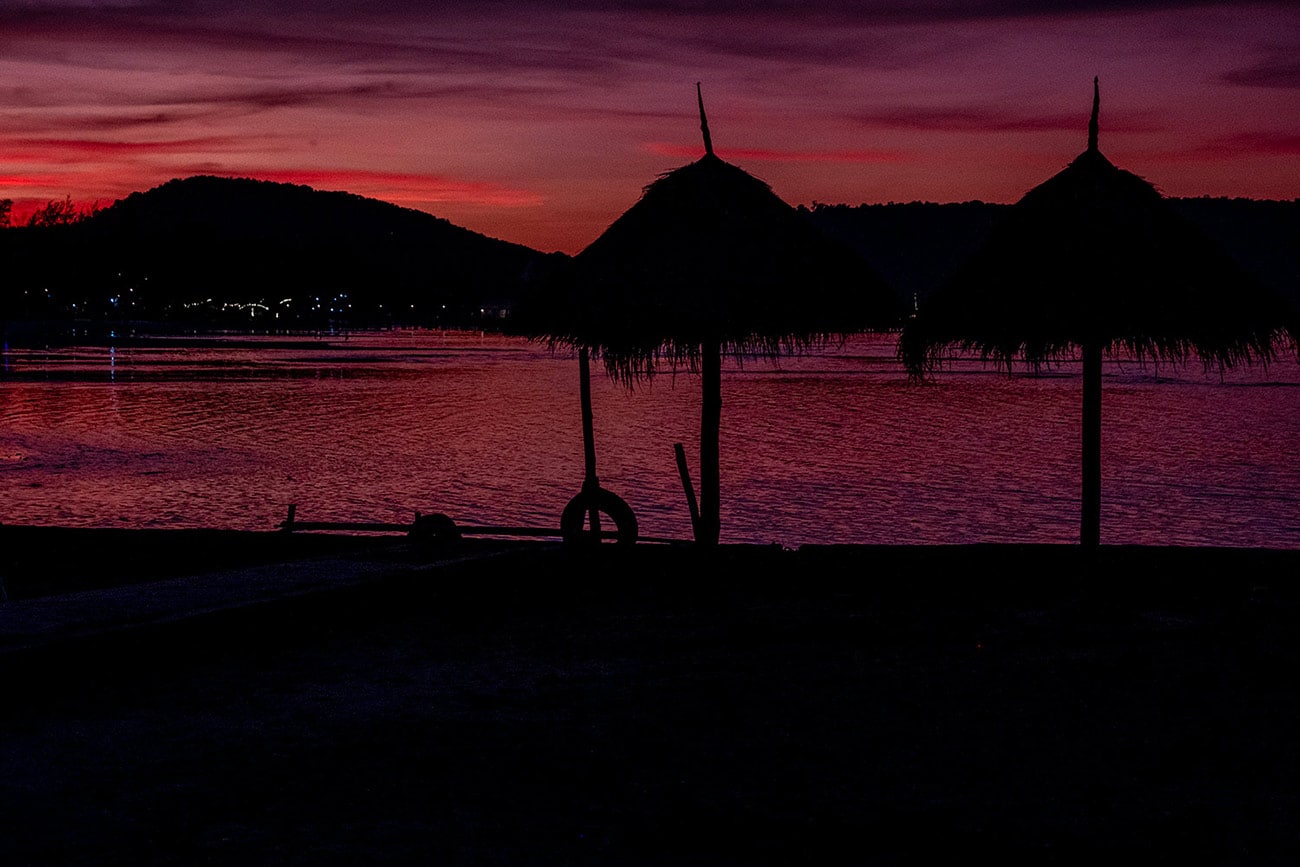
(1262, 235)
(239, 250)
(916, 246)
(209, 251)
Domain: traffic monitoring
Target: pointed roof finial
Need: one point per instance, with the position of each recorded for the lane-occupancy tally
(1096, 110)
(704, 122)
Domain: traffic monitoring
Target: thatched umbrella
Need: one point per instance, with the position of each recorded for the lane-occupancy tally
(1095, 258)
(711, 262)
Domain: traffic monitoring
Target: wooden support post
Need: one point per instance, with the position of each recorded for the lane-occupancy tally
(685, 472)
(588, 426)
(710, 432)
(1090, 514)
(589, 481)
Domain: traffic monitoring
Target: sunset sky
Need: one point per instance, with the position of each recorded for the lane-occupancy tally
(539, 122)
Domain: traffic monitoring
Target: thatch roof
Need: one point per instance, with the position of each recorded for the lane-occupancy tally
(1095, 254)
(710, 255)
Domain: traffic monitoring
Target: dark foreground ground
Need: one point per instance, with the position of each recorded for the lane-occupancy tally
(858, 705)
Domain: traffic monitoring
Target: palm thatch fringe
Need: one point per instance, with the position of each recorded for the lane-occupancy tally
(1096, 255)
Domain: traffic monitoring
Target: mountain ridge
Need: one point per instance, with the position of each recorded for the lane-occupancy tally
(247, 253)
(917, 245)
(239, 241)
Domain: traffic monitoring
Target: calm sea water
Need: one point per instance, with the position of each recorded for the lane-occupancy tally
(834, 446)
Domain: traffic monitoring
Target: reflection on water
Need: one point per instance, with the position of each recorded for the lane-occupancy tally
(830, 447)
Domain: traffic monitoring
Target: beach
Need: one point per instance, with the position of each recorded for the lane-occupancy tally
(526, 703)
(943, 420)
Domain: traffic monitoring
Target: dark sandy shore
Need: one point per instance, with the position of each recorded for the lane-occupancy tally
(528, 705)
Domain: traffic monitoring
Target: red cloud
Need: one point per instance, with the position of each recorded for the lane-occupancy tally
(1256, 143)
(29, 181)
(984, 119)
(1235, 147)
(40, 150)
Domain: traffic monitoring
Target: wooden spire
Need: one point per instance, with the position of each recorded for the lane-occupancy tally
(1096, 111)
(704, 122)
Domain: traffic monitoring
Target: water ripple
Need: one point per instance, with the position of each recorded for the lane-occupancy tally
(833, 446)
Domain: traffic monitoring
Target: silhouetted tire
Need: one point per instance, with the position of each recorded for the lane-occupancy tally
(607, 503)
(435, 528)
